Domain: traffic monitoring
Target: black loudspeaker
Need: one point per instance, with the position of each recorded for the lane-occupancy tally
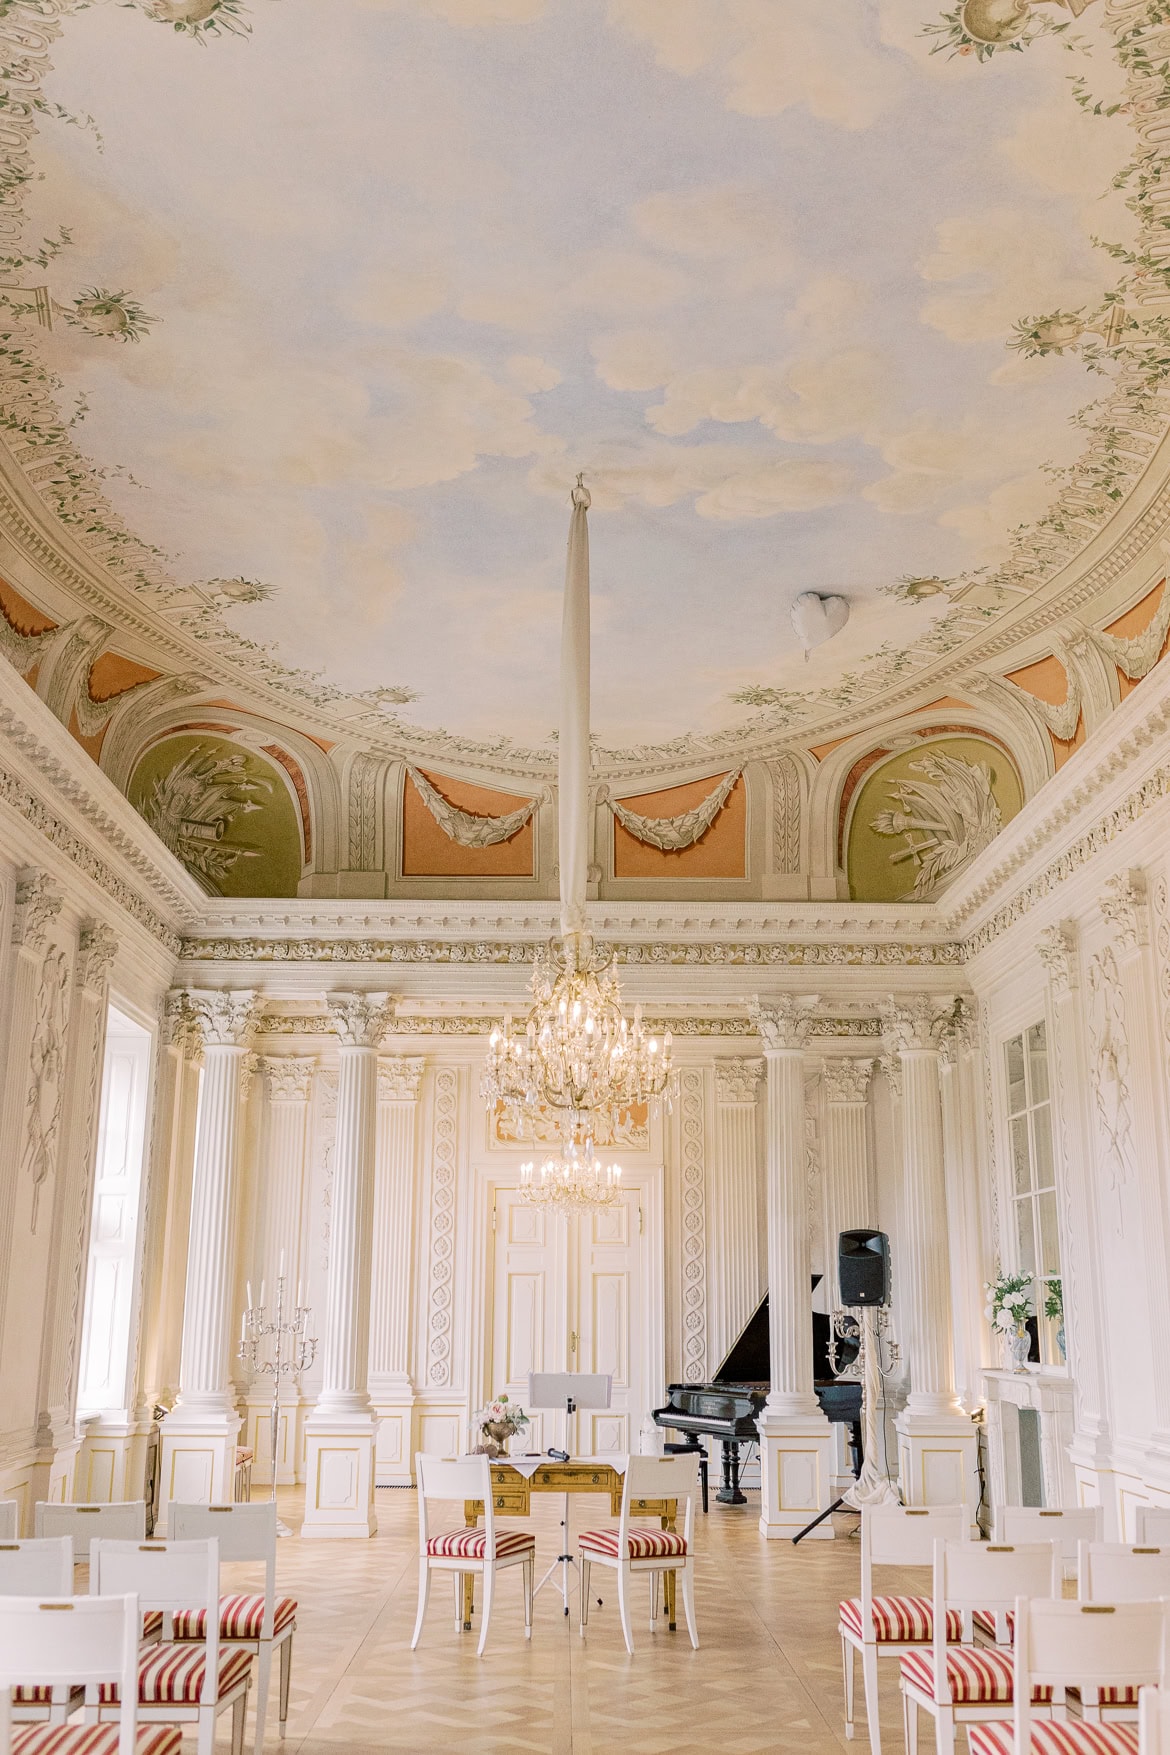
(863, 1267)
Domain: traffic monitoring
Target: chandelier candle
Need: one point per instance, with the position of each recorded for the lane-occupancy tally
(291, 1352)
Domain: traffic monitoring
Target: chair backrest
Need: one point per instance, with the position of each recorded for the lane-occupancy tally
(58, 1641)
(1037, 1523)
(243, 1530)
(903, 1535)
(9, 1520)
(659, 1477)
(1117, 1572)
(1153, 1524)
(988, 1576)
(1083, 1645)
(166, 1576)
(37, 1569)
(1154, 1721)
(455, 1478)
(123, 1521)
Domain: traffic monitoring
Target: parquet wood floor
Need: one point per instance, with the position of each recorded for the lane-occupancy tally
(766, 1679)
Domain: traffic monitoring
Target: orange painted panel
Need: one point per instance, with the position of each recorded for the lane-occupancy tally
(428, 852)
(821, 750)
(1135, 621)
(720, 853)
(1047, 679)
(111, 675)
(1062, 748)
(20, 614)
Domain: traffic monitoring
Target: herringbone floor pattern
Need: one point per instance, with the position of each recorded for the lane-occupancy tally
(766, 1679)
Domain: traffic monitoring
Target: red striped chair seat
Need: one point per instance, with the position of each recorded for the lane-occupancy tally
(1111, 1696)
(40, 1694)
(240, 1617)
(471, 1544)
(900, 1620)
(93, 1740)
(173, 1675)
(1056, 1737)
(983, 1621)
(977, 1675)
(644, 1544)
(152, 1624)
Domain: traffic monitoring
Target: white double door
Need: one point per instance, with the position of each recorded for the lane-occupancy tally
(567, 1294)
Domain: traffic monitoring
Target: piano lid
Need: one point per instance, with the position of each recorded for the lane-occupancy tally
(750, 1359)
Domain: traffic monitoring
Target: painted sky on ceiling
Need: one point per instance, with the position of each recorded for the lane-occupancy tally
(414, 263)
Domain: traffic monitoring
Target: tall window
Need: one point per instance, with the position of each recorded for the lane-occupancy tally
(1034, 1176)
(104, 1386)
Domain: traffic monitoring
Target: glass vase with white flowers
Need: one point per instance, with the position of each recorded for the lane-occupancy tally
(1010, 1305)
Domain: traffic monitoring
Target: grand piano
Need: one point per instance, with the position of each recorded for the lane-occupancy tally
(728, 1407)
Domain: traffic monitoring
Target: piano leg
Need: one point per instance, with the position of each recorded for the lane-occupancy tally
(729, 1493)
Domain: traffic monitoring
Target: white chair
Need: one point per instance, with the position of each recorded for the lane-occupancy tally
(967, 1684)
(632, 1550)
(262, 1623)
(65, 1642)
(1115, 1572)
(9, 1520)
(178, 1683)
(124, 1521)
(1154, 1721)
(1152, 1523)
(1066, 1645)
(1038, 1523)
(39, 1569)
(890, 1626)
(467, 1549)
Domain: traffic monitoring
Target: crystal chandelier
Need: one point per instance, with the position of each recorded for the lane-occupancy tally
(572, 1177)
(577, 1060)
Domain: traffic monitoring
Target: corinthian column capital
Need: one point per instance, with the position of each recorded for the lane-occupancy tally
(224, 1019)
(290, 1077)
(783, 1023)
(360, 1019)
(38, 903)
(1057, 949)
(847, 1079)
(916, 1023)
(736, 1081)
(97, 946)
(1123, 904)
(399, 1079)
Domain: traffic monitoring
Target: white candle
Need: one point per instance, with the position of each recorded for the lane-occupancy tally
(243, 1329)
(263, 1283)
(249, 1286)
(282, 1264)
(300, 1294)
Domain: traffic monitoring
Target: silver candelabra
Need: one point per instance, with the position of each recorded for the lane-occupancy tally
(288, 1348)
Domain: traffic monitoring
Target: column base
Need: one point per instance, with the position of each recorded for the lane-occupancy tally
(197, 1464)
(339, 1476)
(796, 1474)
(938, 1459)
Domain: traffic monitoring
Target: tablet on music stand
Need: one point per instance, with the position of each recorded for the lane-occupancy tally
(569, 1390)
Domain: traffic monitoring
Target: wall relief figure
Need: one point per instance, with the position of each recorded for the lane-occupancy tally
(944, 819)
(46, 1077)
(191, 807)
(1109, 1071)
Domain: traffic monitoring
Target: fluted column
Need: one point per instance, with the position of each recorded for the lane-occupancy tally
(848, 1180)
(795, 1437)
(179, 1048)
(736, 1283)
(340, 1430)
(935, 1470)
(391, 1390)
(200, 1433)
(288, 1084)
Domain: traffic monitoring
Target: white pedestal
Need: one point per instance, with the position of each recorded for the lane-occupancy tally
(938, 1460)
(198, 1460)
(796, 1474)
(339, 1476)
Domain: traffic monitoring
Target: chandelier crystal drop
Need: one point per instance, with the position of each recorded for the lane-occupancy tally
(572, 1177)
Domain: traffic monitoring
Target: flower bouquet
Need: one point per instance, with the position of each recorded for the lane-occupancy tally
(499, 1423)
(1009, 1305)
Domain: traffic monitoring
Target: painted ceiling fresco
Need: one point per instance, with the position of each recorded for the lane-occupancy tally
(347, 291)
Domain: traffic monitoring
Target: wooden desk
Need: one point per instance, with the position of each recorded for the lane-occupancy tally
(512, 1497)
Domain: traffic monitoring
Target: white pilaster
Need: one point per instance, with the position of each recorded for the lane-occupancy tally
(735, 1284)
(199, 1435)
(340, 1431)
(288, 1083)
(848, 1179)
(391, 1389)
(796, 1441)
(936, 1440)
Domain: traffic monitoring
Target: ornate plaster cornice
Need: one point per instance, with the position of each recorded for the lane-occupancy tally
(714, 954)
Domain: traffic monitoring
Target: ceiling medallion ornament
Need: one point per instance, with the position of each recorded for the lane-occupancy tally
(578, 1057)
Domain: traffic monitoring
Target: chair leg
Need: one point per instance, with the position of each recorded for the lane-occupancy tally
(944, 1731)
(263, 1679)
(586, 1563)
(869, 1675)
(205, 1743)
(909, 1724)
(527, 1571)
(847, 1657)
(623, 1580)
(239, 1715)
(687, 1577)
(655, 1576)
(457, 1580)
(485, 1614)
(286, 1646)
(424, 1591)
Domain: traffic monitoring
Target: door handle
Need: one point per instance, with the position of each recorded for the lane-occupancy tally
(572, 1340)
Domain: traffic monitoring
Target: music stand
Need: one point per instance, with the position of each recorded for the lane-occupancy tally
(570, 1390)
